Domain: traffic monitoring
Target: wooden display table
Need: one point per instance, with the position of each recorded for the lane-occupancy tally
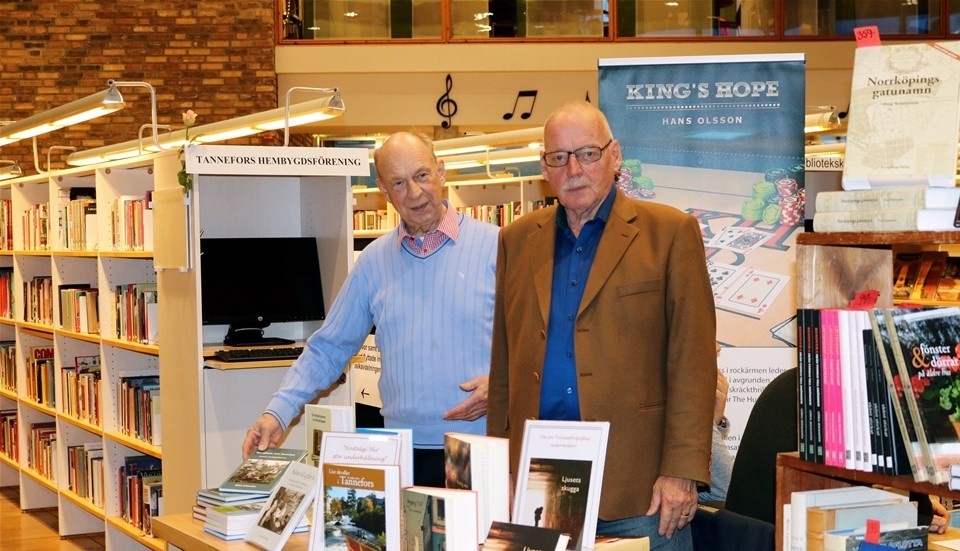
(184, 532)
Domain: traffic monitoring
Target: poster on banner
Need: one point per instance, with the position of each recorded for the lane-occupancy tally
(721, 138)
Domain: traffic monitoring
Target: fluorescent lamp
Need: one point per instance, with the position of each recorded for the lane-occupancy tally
(10, 169)
(301, 113)
(822, 118)
(492, 157)
(483, 142)
(92, 106)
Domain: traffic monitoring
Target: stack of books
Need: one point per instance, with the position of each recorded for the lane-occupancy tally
(901, 208)
(231, 510)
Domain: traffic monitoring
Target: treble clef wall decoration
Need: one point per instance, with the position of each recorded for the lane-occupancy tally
(446, 107)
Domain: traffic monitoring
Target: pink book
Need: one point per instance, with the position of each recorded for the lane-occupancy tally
(832, 389)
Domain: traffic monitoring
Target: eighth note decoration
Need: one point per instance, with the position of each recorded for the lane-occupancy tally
(446, 107)
(532, 94)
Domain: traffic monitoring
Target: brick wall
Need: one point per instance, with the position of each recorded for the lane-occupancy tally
(214, 57)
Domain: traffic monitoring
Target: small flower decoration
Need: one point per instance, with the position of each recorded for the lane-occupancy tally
(185, 179)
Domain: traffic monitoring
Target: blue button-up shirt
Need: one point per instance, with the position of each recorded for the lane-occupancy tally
(572, 259)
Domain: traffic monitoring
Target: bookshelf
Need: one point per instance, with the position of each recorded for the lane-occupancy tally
(59, 241)
(461, 194)
(795, 474)
(215, 404)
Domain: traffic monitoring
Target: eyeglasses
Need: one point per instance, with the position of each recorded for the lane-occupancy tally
(585, 155)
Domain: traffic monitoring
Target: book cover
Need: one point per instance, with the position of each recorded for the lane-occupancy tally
(360, 509)
(481, 464)
(286, 506)
(892, 535)
(885, 220)
(506, 536)
(361, 448)
(320, 418)
(916, 197)
(261, 470)
(904, 116)
(406, 450)
(618, 543)
(438, 518)
(801, 502)
(926, 344)
(559, 478)
(901, 413)
(823, 519)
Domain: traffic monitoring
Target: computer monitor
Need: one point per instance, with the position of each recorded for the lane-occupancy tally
(250, 282)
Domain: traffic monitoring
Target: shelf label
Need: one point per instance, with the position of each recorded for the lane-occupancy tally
(277, 161)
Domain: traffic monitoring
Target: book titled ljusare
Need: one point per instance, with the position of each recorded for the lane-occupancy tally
(559, 477)
(907, 219)
(261, 470)
(285, 508)
(904, 116)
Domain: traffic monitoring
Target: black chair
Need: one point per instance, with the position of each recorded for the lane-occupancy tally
(771, 429)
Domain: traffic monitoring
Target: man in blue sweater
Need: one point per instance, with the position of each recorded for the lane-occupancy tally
(428, 287)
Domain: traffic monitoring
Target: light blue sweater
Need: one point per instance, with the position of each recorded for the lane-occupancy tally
(434, 323)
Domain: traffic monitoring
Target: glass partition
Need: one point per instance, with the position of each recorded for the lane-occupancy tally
(573, 20)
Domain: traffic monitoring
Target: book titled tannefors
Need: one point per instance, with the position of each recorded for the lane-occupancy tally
(559, 478)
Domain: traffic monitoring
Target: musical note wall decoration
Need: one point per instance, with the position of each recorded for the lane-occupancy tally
(446, 107)
(532, 94)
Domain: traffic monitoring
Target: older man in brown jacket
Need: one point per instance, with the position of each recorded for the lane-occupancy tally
(604, 312)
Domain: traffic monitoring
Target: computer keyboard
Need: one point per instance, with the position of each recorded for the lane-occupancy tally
(258, 354)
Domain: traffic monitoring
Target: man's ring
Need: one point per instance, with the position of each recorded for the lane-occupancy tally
(684, 514)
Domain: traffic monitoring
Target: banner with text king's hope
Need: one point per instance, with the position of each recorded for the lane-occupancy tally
(721, 138)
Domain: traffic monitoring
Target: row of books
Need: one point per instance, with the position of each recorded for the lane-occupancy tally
(34, 222)
(8, 366)
(901, 208)
(926, 276)
(42, 449)
(380, 219)
(138, 405)
(79, 308)
(78, 219)
(6, 224)
(7, 296)
(879, 390)
(131, 223)
(140, 490)
(81, 389)
(9, 444)
(135, 306)
(837, 519)
(40, 376)
(85, 472)
(38, 300)
(364, 492)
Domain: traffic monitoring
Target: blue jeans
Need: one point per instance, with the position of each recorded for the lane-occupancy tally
(647, 526)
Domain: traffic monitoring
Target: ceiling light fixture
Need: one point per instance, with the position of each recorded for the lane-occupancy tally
(84, 109)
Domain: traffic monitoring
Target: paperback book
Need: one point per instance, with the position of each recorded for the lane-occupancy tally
(360, 507)
(261, 471)
(320, 418)
(481, 464)
(559, 478)
(285, 508)
(438, 518)
(904, 116)
(926, 344)
(506, 536)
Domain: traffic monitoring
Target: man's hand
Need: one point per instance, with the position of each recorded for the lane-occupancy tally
(475, 406)
(265, 433)
(676, 500)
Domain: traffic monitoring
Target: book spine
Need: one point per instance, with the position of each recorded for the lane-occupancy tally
(866, 220)
(871, 199)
